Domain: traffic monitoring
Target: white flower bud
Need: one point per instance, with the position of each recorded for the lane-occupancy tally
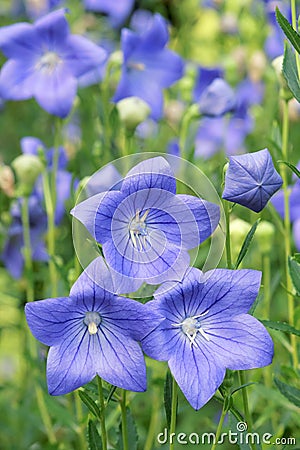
(277, 64)
(27, 168)
(238, 231)
(132, 111)
(264, 236)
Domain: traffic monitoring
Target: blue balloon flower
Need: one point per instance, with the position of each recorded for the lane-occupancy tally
(207, 330)
(12, 255)
(217, 99)
(251, 180)
(93, 331)
(294, 206)
(117, 11)
(145, 229)
(148, 66)
(45, 62)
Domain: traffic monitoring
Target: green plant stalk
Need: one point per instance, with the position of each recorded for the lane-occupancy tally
(153, 422)
(44, 414)
(79, 415)
(248, 418)
(173, 413)
(124, 421)
(226, 205)
(266, 264)
(102, 416)
(27, 250)
(219, 429)
(287, 227)
(51, 231)
(294, 23)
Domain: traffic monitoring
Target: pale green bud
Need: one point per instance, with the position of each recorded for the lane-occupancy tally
(132, 111)
(285, 91)
(264, 236)
(238, 231)
(27, 168)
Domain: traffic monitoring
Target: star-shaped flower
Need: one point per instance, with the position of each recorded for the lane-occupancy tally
(45, 62)
(148, 66)
(207, 330)
(92, 332)
(251, 180)
(117, 11)
(145, 229)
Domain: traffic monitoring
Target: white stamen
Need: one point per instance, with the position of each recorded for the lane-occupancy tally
(191, 326)
(48, 62)
(92, 320)
(138, 230)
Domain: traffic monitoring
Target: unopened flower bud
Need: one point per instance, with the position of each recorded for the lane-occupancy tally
(264, 236)
(285, 91)
(238, 231)
(257, 66)
(27, 168)
(132, 111)
(7, 180)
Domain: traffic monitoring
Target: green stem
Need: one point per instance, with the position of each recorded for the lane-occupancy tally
(79, 415)
(294, 23)
(226, 205)
(124, 421)
(102, 412)
(27, 250)
(219, 429)
(153, 422)
(242, 381)
(266, 264)
(173, 413)
(287, 227)
(45, 415)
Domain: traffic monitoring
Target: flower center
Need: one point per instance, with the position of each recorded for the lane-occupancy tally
(136, 66)
(138, 230)
(92, 320)
(48, 62)
(191, 326)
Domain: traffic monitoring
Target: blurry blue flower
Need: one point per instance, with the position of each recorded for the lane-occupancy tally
(204, 77)
(45, 61)
(217, 99)
(141, 20)
(92, 332)
(12, 255)
(146, 229)
(294, 201)
(251, 180)
(206, 330)
(148, 66)
(117, 11)
(274, 44)
(31, 145)
(39, 8)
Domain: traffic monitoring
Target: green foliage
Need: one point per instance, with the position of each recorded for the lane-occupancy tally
(90, 403)
(288, 30)
(290, 392)
(281, 326)
(290, 72)
(294, 268)
(94, 440)
(246, 244)
(292, 167)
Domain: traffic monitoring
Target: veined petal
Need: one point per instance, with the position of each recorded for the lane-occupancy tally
(82, 55)
(19, 40)
(71, 364)
(239, 343)
(17, 80)
(55, 91)
(151, 173)
(196, 372)
(86, 211)
(157, 36)
(52, 320)
(130, 41)
(53, 28)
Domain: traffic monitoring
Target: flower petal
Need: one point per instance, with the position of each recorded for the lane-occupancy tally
(151, 173)
(30, 145)
(196, 373)
(53, 28)
(16, 80)
(240, 343)
(86, 211)
(82, 55)
(19, 41)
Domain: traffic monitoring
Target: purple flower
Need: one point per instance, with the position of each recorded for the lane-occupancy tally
(251, 180)
(148, 66)
(12, 255)
(36, 9)
(45, 62)
(92, 332)
(294, 201)
(206, 330)
(145, 229)
(117, 11)
(205, 76)
(217, 99)
(31, 145)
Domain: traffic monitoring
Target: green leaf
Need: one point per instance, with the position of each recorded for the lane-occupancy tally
(290, 72)
(243, 386)
(291, 166)
(280, 326)
(294, 269)
(94, 439)
(288, 30)
(90, 403)
(110, 394)
(168, 398)
(290, 392)
(246, 244)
